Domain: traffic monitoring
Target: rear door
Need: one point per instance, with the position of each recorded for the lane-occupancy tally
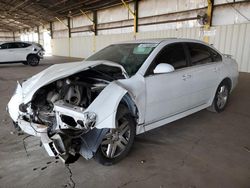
(205, 63)
(22, 51)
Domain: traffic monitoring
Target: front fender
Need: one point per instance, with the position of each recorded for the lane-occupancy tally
(106, 104)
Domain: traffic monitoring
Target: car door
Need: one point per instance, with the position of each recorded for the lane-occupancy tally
(10, 55)
(168, 94)
(4, 53)
(22, 51)
(205, 64)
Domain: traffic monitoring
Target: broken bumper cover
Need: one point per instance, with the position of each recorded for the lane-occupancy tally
(62, 145)
(71, 137)
(60, 142)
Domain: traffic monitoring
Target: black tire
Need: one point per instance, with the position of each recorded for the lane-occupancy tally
(222, 94)
(101, 156)
(33, 60)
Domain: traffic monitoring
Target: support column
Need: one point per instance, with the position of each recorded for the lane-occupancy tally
(134, 15)
(51, 29)
(69, 27)
(210, 4)
(14, 38)
(95, 22)
(38, 33)
(136, 8)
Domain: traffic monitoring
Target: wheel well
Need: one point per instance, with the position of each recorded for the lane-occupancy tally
(130, 104)
(32, 55)
(228, 82)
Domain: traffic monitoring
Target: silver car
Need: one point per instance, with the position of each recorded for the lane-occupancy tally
(96, 107)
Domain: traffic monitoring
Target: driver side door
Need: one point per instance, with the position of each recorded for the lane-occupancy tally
(168, 94)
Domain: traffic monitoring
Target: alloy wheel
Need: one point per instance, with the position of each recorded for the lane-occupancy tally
(116, 140)
(222, 97)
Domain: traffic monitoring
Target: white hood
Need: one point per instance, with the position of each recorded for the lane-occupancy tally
(56, 72)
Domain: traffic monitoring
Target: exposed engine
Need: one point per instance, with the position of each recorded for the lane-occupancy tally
(72, 91)
(77, 90)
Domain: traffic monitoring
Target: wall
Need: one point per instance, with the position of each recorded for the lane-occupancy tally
(6, 36)
(157, 19)
(229, 39)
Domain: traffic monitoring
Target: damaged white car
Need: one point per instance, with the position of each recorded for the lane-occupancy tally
(96, 107)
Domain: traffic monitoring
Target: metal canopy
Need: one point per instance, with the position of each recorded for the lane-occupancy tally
(23, 14)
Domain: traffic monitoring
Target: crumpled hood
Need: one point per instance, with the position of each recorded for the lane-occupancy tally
(56, 72)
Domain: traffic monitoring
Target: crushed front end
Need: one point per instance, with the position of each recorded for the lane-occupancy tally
(58, 114)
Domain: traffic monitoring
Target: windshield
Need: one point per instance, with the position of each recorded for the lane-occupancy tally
(130, 56)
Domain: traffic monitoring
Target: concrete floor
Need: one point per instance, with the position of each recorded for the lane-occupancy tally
(201, 150)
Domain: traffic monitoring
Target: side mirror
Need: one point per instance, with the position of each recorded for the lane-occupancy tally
(163, 68)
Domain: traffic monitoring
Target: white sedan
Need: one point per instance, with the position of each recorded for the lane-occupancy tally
(96, 107)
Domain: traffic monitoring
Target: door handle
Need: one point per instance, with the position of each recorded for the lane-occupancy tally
(186, 76)
(216, 69)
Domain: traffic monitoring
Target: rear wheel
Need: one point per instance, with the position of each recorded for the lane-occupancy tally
(33, 60)
(221, 98)
(117, 142)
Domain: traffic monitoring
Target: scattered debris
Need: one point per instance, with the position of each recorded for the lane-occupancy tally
(49, 162)
(20, 133)
(43, 167)
(34, 169)
(246, 148)
(143, 161)
(11, 132)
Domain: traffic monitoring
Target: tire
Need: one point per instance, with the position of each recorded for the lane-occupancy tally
(221, 98)
(33, 60)
(117, 143)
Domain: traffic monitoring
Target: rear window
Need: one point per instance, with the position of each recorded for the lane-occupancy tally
(202, 54)
(13, 45)
(25, 45)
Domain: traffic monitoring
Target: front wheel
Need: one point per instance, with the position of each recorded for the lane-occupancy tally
(33, 60)
(117, 142)
(221, 98)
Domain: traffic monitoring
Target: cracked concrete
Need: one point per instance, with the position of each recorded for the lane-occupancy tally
(201, 150)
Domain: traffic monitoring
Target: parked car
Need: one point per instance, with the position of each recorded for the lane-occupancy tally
(24, 52)
(96, 107)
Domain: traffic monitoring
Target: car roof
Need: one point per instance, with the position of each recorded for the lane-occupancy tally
(15, 42)
(159, 40)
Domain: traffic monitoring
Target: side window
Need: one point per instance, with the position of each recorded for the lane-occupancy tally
(4, 46)
(216, 56)
(24, 45)
(172, 54)
(201, 54)
(13, 45)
